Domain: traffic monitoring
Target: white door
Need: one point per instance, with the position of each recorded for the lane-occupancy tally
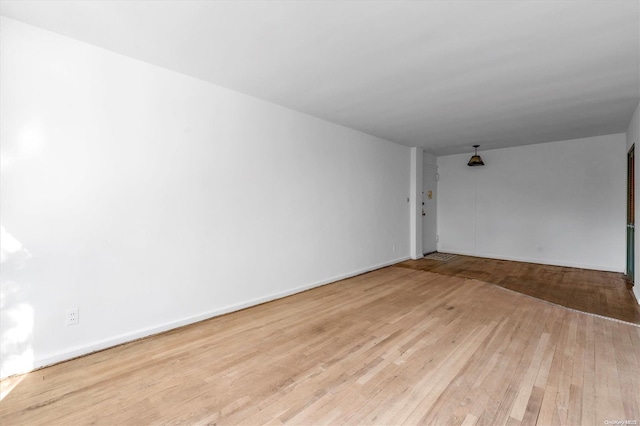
(429, 218)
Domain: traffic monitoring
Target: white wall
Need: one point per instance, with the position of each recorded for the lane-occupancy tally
(560, 203)
(150, 199)
(633, 137)
(415, 191)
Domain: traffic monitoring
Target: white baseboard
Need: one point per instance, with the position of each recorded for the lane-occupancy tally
(99, 345)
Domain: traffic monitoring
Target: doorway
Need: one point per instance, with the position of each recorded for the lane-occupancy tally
(630, 213)
(429, 209)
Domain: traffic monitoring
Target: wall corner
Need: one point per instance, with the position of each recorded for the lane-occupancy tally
(415, 203)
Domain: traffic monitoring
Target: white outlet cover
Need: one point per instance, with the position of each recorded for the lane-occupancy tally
(72, 317)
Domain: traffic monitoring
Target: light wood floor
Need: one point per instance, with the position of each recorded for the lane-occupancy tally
(596, 292)
(395, 346)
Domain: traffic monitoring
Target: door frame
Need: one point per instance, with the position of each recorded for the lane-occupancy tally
(630, 267)
(430, 206)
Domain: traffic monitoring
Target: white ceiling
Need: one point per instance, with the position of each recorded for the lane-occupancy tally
(443, 75)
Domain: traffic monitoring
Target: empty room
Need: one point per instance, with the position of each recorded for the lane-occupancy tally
(319, 212)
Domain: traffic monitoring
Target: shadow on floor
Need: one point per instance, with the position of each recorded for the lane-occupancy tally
(595, 292)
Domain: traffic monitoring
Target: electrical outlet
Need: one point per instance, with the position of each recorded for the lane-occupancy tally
(72, 317)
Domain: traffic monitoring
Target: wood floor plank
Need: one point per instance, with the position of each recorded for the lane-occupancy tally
(503, 374)
(526, 385)
(394, 346)
(597, 292)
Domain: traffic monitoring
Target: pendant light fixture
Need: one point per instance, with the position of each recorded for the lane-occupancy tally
(475, 160)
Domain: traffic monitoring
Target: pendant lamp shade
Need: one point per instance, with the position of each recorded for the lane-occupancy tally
(475, 160)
